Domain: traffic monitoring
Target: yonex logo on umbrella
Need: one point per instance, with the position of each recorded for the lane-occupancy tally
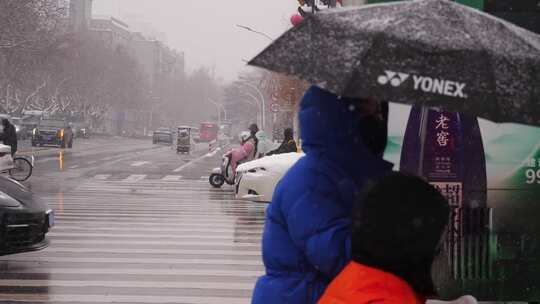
(394, 78)
(439, 86)
(425, 84)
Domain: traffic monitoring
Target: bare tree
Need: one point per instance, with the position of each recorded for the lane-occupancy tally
(30, 43)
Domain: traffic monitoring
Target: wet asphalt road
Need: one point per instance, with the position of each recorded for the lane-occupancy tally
(136, 223)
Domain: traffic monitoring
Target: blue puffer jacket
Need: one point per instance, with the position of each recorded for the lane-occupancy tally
(306, 240)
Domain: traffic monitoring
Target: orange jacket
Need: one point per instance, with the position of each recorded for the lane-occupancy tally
(359, 284)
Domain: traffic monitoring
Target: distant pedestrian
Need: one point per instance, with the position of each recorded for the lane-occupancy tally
(396, 235)
(306, 239)
(9, 135)
(288, 145)
(253, 129)
(264, 144)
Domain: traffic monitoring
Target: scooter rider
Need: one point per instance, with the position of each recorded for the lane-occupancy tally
(231, 160)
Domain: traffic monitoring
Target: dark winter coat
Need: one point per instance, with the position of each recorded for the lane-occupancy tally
(306, 240)
(287, 146)
(9, 137)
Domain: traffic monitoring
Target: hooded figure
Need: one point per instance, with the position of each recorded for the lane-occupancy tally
(9, 136)
(396, 235)
(288, 145)
(306, 240)
(264, 144)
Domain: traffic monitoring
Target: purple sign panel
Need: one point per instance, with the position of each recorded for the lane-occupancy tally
(443, 155)
(446, 149)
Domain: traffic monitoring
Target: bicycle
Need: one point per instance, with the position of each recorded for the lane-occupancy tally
(18, 168)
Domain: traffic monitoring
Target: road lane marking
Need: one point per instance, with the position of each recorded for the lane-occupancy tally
(145, 260)
(172, 178)
(74, 167)
(135, 178)
(205, 177)
(129, 284)
(163, 230)
(193, 162)
(102, 176)
(255, 252)
(142, 271)
(139, 163)
(128, 236)
(135, 299)
(154, 244)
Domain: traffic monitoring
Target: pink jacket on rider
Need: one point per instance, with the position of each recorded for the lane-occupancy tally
(241, 153)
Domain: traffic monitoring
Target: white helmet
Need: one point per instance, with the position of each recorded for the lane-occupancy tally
(244, 136)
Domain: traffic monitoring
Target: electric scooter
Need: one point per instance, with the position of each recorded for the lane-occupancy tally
(223, 174)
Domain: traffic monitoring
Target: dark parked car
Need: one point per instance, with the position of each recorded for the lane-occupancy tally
(52, 132)
(24, 219)
(162, 135)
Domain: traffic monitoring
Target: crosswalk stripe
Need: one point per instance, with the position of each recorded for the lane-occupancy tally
(89, 298)
(97, 225)
(170, 261)
(254, 252)
(139, 163)
(173, 178)
(154, 244)
(127, 284)
(135, 177)
(102, 176)
(158, 229)
(142, 271)
(152, 235)
(142, 239)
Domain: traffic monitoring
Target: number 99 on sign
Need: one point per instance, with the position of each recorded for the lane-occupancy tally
(533, 176)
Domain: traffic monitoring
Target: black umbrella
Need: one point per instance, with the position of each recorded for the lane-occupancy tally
(430, 52)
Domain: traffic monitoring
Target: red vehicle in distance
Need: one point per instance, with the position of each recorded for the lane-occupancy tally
(208, 131)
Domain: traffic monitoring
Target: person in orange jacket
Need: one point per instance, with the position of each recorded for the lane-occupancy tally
(396, 233)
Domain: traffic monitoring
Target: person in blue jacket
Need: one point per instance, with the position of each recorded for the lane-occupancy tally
(306, 239)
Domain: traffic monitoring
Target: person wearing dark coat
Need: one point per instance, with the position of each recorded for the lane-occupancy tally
(9, 135)
(253, 129)
(396, 235)
(287, 146)
(306, 240)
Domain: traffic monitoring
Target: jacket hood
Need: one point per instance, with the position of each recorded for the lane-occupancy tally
(330, 127)
(261, 135)
(397, 226)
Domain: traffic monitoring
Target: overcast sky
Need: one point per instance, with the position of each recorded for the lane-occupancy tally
(205, 30)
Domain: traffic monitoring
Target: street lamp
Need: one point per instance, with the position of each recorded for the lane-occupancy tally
(156, 100)
(247, 28)
(220, 107)
(262, 101)
(261, 117)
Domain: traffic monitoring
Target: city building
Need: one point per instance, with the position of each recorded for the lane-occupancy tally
(156, 59)
(80, 14)
(112, 31)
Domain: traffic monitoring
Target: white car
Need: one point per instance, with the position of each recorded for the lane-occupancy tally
(256, 180)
